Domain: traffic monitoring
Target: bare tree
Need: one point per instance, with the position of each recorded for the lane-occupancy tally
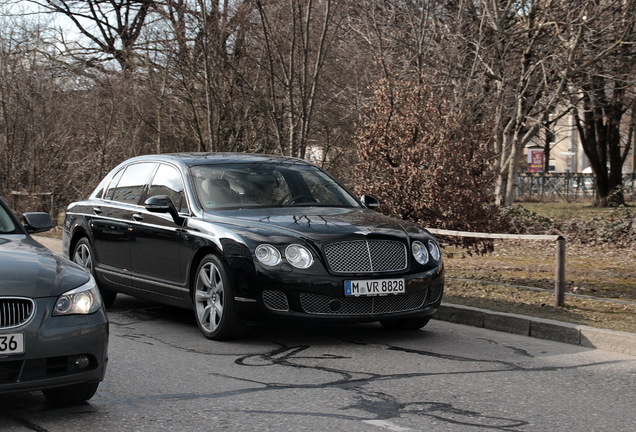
(533, 54)
(208, 59)
(297, 36)
(62, 127)
(107, 27)
(527, 73)
(29, 111)
(603, 87)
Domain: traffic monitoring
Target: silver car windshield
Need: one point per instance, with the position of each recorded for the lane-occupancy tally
(6, 223)
(267, 185)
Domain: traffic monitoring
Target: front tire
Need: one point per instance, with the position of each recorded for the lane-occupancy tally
(83, 255)
(214, 305)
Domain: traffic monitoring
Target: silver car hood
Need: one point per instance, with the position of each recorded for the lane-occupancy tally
(28, 269)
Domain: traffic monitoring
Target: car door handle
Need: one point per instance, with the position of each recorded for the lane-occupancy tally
(97, 210)
(138, 216)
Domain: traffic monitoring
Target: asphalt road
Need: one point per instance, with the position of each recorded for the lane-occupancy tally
(164, 376)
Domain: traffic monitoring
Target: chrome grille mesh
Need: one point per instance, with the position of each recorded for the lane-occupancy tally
(435, 292)
(325, 305)
(275, 300)
(366, 256)
(15, 311)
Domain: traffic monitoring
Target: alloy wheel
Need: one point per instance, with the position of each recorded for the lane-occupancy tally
(209, 297)
(83, 257)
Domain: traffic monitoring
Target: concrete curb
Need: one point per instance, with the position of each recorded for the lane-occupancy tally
(589, 337)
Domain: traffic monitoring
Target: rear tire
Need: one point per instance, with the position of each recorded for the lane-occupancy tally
(405, 323)
(83, 255)
(214, 305)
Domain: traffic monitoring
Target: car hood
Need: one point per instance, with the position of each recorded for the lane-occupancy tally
(323, 223)
(28, 269)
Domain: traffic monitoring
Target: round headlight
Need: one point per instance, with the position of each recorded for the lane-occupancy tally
(83, 302)
(63, 305)
(299, 256)
(433, 249)
(419, 252)
(268, 255)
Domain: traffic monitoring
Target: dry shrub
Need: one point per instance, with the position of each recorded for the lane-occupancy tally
(616, 227)
(427, 159)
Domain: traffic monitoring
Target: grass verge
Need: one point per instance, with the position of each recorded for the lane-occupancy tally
(502, 298)
(601, 280)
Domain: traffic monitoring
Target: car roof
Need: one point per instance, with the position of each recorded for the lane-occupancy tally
(200, 158)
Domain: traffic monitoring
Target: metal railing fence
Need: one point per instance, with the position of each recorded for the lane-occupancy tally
(566, 185)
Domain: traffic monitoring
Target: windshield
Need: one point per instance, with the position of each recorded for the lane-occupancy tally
(6, 222)
(267, 185)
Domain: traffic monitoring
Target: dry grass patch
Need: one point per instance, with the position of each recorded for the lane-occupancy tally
(497, 282)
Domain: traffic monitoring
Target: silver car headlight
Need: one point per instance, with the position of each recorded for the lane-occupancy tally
(419, 252)
(268, 255)
(83, 300)
(433, 249)
(299, 256)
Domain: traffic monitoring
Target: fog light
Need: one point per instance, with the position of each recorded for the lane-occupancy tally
(82, 362)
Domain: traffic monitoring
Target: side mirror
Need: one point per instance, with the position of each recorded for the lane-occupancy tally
(163, 204)
(36, 222)
(370, 202)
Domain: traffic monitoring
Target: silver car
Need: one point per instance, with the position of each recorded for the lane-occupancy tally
(53, 327)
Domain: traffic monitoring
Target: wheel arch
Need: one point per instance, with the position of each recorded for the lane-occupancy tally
(204, 251)
(232, 254)
(77, 234)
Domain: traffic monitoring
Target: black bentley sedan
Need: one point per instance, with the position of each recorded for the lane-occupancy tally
(237, 237)
(53, 328)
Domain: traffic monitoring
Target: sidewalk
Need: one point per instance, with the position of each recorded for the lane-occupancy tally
(590, 337)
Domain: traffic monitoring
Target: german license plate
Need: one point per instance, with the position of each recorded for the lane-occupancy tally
(374, 287)
(12, 343)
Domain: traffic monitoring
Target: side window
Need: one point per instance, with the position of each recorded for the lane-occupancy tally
(131, 185)
(113, 184)
(167, 181)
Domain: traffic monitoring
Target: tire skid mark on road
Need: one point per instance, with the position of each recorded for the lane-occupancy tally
(375, 408)
(370, 406)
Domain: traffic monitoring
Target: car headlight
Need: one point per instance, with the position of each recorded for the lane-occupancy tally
(419, 252)
(433, 249)
(268, 255)
(299, 256)
(79, 301)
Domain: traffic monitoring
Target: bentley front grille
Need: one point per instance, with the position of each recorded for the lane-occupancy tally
(435, 292)
(276, 300)
(366, 256)
(325, 305)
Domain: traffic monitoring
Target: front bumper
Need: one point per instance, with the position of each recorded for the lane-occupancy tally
(59, 351)
(322, 297)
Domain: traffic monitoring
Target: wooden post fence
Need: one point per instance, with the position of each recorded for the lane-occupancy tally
(559, 277)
